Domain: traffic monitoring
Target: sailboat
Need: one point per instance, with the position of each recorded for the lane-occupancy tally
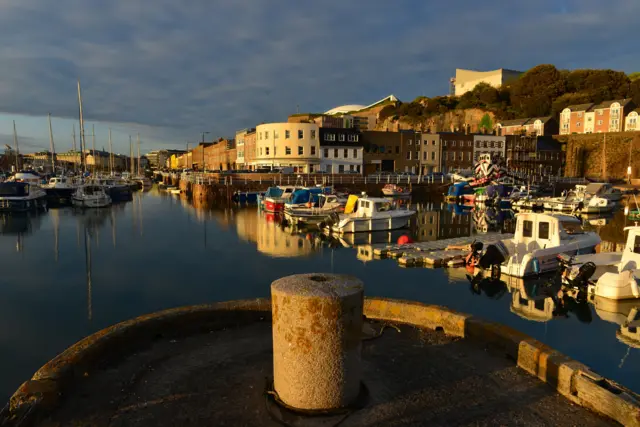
(60, 188)
(144, 181)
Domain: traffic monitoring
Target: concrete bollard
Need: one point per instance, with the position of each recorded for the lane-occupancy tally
(317, 327)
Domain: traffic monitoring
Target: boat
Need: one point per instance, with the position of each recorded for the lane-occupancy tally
(246, 196)
(328, 204)
(145, 183)
(117, 188)
(364, 214)
(276, 197)
(538, 240)
(616, 275)
(305, 197)
(60, 189)
(174, 190)
(459, 191)
(91, 196)
(30, 177)
(574, 201)
(626, 314)
(395, 190)
(21, 197)
(600, 189)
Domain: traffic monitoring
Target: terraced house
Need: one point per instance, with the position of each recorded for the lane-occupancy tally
(607, 116)
(532, 126)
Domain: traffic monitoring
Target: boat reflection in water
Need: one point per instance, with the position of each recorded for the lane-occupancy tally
(270, 237)
(623, 313)
(20, 225)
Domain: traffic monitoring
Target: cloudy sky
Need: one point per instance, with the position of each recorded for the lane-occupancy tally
(170, 70)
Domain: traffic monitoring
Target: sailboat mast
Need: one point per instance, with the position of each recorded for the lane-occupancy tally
(138, 154)
(93, 146)
(82, 140)
(75, 165)
(53, 148)
(15, 144)
(110, 154)
(131, 155)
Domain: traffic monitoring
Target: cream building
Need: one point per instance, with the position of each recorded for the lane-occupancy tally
(466, 80)
(288, 145)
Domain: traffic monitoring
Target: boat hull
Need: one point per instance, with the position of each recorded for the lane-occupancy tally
(60, 196)
(98, 202)
(272, 205)
(20, 205)
(363, 225)
(121, 193)
(547, 261)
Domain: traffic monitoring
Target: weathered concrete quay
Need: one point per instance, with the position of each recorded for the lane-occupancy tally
(214, 365)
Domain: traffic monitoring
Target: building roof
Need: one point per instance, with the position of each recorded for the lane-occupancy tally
(343, 109)
(542, 119)
(580, 107)
(607, 104)
(514, 122)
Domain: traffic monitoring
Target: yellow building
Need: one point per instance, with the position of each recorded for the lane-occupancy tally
(288, 145)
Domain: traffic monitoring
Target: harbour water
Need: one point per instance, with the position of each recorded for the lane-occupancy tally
(68, 273)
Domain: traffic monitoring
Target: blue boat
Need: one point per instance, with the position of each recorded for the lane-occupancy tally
(458, 190)
(304, 196)
(246, 196)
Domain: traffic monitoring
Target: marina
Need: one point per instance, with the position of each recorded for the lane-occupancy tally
(83, 256)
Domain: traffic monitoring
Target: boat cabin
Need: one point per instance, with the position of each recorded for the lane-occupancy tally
(58, 181)
(14, 189)
(631, 254)
(370, 206)
(92, 189)
(539, 231)
(28, 177)
(460, 189)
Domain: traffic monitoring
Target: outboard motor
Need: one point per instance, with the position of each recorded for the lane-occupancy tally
(579, 279)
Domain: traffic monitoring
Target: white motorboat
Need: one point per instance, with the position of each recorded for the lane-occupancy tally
(395, 190)
(60, 188)
(538, 240)
(600, 189)
(21, 197)
(27, 176)
(617, 274)
(575, 201)
(328, 204)
(370, 214)
(91, 196)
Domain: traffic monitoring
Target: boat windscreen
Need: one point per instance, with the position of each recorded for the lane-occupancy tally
(273, 192)
(572, 227)
(14, 189)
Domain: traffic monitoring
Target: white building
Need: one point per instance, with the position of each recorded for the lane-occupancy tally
(288, 145)
(489, 144)
(341, 151)
(466, 80)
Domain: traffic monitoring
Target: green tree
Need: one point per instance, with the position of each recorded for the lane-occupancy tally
(486, 124)
(533, 94)
(634, 76)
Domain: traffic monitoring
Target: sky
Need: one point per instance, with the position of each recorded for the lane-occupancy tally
(170, 70)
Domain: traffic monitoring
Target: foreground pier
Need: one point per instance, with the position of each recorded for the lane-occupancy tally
(213, 365)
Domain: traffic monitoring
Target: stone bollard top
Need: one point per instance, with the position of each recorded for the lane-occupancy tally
(320, 285)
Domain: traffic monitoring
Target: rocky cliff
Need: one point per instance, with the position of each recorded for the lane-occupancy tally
(454, 120)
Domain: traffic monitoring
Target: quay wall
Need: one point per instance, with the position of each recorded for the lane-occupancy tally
(570, 378)
(590, 155)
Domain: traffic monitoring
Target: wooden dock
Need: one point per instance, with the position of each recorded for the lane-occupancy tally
(434, 253)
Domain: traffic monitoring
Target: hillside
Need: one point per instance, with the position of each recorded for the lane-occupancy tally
(542, 91)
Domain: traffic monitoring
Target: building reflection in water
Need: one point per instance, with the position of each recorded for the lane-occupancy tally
(270, 237)
(19, 225)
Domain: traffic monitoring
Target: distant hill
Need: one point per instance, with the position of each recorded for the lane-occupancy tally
(542, 91)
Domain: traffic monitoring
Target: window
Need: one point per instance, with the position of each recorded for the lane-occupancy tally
(300, 150)
(313, 151)
(287, 151)
(527, 228)
(600, 112)
(287, 134)
(330, 137)
(397, 149)
(578, 124)
(346, 153)
(433, 142)
(444, 144)
(261, 151)
(469, 143)
(355, 153)
(543, 230)
(490, 144)
(424, 155)
(636, 245)
(335, 153)
(266, 150)
(341, 169)
(477, 144)
(313, 134)
(409, 142)
(408, 155)
(469, 155)
(352, 138)
(453, 143)
(351, 168)
(266, 134)
(580, 114)
(433, 155)
(326, 153)
(417, 142)
(300, 134)
(358, 168)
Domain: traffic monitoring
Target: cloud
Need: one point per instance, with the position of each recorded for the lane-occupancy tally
(224, 65)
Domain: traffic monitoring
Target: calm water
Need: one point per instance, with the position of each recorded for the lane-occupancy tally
(66, 274)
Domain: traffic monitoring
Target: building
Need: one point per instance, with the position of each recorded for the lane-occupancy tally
(158, 158)
(198, 156)
(250, 149)
(354, 108)
(534, 155)
(608, 116)
(529, 126)
(341, 150)
(466, 80)
(430, 154)
(457, 151)
(288, 145)
(494, 145)
(631, 122)
(221, 155)
(391, 151)
(240, 159)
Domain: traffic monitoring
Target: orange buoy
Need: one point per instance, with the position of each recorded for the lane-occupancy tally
(404, 240)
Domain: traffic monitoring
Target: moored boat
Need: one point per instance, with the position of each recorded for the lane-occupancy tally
(328, 205)
(370, 214)
(395, 190)
(276, 197)
(21, 197)
(60, 189)
(539, 239)
(91, 196)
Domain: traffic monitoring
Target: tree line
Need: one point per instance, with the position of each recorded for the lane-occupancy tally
(542, 91)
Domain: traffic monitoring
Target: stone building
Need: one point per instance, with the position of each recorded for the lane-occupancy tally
(430, 154)
(457, 151)
(391, 151)
(341, 150)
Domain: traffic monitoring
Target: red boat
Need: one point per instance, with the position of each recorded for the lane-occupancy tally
(275, 203)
